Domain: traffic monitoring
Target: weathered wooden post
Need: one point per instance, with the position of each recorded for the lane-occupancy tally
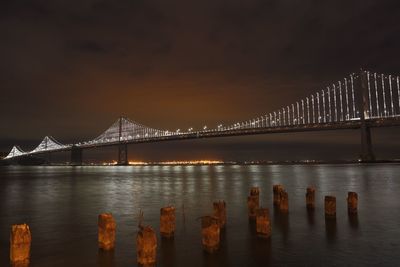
(263, 223)
(310, 198)
(210, 233)
(106, 231)
(20, 245)
(220, 212)
(284, 201)
(352, 202)
(167, 221)
(146, 246)
(254, 191)
(330, 207)
(253, 201)
(277, 188)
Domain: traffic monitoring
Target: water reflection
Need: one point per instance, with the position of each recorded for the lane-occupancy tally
(353, 221)
(105, 258)
(218, 258)
(262, 251)
(259, 248)
(168, 252)
(281, 223)
(61, 204)
(252, 226)
(331, 229)
(311, 216)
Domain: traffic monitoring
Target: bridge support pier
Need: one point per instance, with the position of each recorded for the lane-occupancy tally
(366, 144)
(123, 154)
(48, 158)
(76, 156)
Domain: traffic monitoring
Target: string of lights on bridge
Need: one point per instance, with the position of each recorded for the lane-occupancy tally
(335, 103)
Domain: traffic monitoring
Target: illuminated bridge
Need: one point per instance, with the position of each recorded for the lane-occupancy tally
(360, 101)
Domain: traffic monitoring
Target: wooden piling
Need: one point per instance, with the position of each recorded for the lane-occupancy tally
(146, 246)
(253, 202)
(20, 245)
(253, 205)
(254, 191)
(277, 188)
(167, 221)
(284, 201)
(106, 231)
(263, 223)
(210, 232)
(220, 212)
(310, 198)
(352, 202)
(330, 207)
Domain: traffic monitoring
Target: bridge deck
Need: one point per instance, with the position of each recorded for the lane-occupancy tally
(346, 125)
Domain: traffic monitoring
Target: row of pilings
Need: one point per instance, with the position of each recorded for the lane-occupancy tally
(211, 225)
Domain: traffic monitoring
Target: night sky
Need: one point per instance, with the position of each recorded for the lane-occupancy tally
(70, 68)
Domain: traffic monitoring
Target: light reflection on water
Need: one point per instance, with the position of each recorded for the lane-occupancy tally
(61, 205)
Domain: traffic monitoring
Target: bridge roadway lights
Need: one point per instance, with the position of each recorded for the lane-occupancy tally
(76, 156)
(123, 154)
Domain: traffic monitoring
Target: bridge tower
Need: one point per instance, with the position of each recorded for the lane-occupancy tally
(122, 147)
(76, 156)
(47, 154)
(366, 143)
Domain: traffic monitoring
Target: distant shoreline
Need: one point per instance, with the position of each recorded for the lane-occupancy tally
(222, 163)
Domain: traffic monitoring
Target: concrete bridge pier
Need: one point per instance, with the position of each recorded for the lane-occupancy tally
(123, 154)
(366, 144)
(48, 158)
(76, 156)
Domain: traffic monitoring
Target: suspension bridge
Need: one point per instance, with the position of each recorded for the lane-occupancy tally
(360, 101)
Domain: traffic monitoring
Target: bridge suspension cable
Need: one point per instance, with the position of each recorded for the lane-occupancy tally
(339, 103)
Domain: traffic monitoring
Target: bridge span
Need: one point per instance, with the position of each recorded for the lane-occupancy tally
(360, 101)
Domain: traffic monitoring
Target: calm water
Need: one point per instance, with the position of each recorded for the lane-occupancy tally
(61, 205)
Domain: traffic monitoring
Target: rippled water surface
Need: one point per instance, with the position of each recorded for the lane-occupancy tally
(61, 205)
